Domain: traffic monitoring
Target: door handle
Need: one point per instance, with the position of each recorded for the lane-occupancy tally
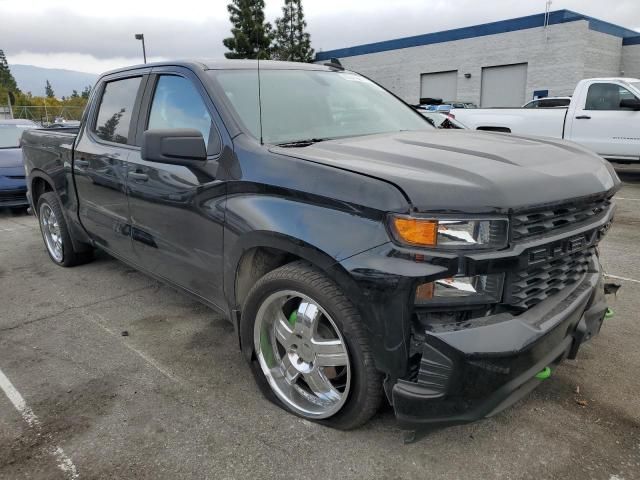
(139, 177)
(81, 162)
(583, 117)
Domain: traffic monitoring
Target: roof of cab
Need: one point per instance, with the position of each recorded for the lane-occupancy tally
(211, 64)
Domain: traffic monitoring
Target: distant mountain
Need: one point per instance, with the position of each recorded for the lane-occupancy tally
(32, 79)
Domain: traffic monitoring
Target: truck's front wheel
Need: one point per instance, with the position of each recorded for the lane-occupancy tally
(55, 233)
(310, 352)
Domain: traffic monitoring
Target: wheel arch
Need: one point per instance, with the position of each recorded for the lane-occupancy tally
(257, 253)
(40, 183)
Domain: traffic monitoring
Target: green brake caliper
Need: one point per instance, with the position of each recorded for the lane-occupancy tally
(264, 339)
(293, 317)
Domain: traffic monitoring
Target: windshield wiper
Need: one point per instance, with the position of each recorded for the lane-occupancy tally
(301, 143)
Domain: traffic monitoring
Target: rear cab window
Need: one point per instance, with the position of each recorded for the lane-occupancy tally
(113, 120)
(607, 96)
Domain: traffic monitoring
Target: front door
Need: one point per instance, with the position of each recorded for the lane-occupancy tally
(601, 124)
(177, 211)
(100, 164)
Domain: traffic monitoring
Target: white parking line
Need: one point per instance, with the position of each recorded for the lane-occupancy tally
(627, 198)
(622, 278)
(63, 461)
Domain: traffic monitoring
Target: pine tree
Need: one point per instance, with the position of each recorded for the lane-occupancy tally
(74, 94)
(48, 90)
(8, 85)
(251, 35)
(85, 92)
(292, 42)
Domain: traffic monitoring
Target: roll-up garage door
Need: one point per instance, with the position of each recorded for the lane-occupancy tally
(443, 85)
(503, 86)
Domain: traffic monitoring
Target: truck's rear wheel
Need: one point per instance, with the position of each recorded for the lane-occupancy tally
(55, 233)
(310, 353)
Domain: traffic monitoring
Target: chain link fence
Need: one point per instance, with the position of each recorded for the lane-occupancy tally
(44, 115)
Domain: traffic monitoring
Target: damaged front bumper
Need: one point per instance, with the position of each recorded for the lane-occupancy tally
(466, 374)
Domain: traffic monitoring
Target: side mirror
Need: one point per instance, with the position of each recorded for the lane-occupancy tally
(630, 103)
(177, 146)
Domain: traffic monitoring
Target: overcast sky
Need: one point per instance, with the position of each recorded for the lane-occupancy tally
(93, 36)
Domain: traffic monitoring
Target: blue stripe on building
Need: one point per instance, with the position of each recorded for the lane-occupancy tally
(631, 40)
(630, 37)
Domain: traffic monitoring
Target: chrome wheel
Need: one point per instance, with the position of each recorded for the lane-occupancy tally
(302, 354)
(51, 232)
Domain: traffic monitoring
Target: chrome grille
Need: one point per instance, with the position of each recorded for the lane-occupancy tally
(532, 285)
(540, 221)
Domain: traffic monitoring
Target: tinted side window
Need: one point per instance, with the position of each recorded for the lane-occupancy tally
(116, 106)
(606, 96)
(533, 104)
(177, 104)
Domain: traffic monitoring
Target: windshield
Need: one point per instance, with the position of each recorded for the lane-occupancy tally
(300, 105)
(10, 135)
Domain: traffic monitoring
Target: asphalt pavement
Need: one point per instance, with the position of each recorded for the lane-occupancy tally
(108, 374)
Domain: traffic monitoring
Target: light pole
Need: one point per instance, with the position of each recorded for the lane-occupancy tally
(140, 36)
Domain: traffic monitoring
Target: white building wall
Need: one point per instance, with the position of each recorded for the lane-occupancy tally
(603, 55)
(631, 61)
(555, 58)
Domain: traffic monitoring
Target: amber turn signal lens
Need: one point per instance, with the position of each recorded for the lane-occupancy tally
(416, 231)
(424, 291)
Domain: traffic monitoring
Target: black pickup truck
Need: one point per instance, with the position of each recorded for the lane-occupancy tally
(359, 252)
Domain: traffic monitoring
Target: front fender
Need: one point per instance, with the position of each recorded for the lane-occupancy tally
(354, 251)
(324, 236)
(385, 278)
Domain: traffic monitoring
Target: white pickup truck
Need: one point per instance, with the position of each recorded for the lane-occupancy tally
(604, 116)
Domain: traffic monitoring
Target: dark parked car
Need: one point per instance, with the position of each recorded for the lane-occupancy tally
(13, 187)
(460, 104)
(359, 252)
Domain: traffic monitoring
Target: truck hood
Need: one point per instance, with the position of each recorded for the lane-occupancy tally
(466, 171)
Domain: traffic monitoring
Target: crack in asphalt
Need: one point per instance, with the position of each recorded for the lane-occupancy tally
(74, 307)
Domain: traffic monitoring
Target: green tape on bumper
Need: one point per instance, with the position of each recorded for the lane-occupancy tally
(544, 373)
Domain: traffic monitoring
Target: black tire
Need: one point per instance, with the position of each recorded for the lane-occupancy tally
(365, 394)
(70, 257)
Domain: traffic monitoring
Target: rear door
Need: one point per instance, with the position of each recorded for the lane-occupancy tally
(177, 212)
(100, 161)
(601, 124)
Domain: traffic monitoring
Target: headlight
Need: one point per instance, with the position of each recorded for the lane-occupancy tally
(478, 289)
(449, 232)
